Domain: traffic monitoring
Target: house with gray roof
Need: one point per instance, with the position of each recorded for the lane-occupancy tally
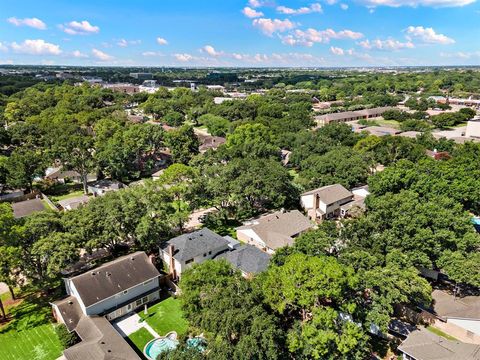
(112, 289)
(273, 231)
(100, 340)
(105, 293)
(425, 345)
(247, 258)
(185, 250)
(326, 202)
(27, 207)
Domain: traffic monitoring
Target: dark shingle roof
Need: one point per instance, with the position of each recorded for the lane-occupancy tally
(27, 207)
(188, 246)
(114, 277)
(70, 310)
(247, 258)
(100, 341)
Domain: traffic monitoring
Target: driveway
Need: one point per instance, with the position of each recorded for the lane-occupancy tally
(194, 218)
(131, 323)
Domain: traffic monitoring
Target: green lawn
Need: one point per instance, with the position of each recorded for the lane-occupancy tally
(66, 196)
(388, 123)
(166, 316)
(140, 338)
(439, 332)
(39, 343)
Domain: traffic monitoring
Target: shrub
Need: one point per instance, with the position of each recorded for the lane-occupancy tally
(66, 339)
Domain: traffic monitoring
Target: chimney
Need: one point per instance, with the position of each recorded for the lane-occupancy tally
(152, 259)
(171, 266)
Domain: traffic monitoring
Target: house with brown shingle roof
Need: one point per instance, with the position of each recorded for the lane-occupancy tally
(273, 231)
(325, 202)
(424, 345)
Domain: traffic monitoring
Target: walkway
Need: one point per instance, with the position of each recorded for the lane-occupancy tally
(131, 323)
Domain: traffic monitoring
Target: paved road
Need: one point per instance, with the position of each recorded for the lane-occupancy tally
(3, 288)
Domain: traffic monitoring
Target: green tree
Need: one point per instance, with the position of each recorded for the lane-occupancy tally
(183, 144)
(23, 166)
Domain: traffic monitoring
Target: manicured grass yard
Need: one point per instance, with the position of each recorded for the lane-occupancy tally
(439, 332)
(29, 333)
(166, 316)
(39, 343)
(66, 196)
(140, 338)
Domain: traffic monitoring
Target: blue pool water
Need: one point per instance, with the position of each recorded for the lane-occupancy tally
(198, 343)
(158, 346)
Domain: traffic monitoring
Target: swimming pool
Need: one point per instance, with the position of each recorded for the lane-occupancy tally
(157, 346)
(198, 343)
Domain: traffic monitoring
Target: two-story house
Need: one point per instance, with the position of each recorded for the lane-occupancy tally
(272, 231)
(115, 288)
(182, 251)
(325, 202)
(102, 294)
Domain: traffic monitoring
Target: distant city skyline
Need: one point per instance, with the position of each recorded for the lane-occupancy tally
(250, 33)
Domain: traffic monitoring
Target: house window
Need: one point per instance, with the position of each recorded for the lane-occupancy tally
(138, 302)
(145, 299)
(204, 255)
(189, 261)
(125, 292)
(209, 253)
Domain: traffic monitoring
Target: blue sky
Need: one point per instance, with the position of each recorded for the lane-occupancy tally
(240, 33)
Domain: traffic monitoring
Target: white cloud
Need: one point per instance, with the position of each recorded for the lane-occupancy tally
(36, 47)
(3, 47)
(271, 26)
(461, 55)
(80, 28)
(251, 13)
(151, 53)
(311, 36)
(31, 22)
(210, 50)
(337, 51)
(344, 6)
(255, 3)
(416, 3)
(388, 44)
(79, 54)
(100, 55)
(428, 35)
(183, 57)
(125, 43)
(314, 8)
(161, 41)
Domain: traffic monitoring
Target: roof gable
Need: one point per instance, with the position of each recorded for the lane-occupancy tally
(114, 277)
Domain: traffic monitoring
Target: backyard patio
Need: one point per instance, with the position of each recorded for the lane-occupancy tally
(163, 317)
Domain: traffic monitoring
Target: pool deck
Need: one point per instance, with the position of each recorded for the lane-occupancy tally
(131, 323)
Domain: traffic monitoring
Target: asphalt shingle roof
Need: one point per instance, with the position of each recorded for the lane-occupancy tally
(188, 246)
(114, 277)
(331, 193)
(278, 229)
(424, 345)
(247, 258)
